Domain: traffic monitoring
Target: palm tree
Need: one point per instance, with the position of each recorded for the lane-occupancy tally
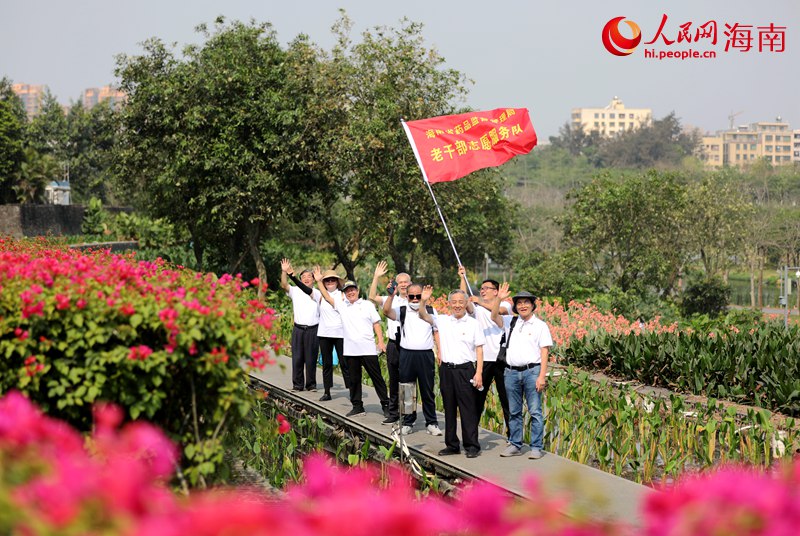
(35, 173)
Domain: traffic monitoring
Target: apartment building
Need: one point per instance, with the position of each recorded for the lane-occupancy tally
(95, 95)
(611, 120)
(766, 140)
(32, 97)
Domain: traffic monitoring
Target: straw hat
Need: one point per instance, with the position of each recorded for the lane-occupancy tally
(328, 274)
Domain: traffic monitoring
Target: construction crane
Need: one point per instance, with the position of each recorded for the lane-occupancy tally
(732, 116)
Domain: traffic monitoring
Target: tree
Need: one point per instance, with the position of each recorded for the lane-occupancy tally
(662, 144)
(384, 207)
(631, 232)
(35, 173)
(12, 125)
(576, 141)
(217, 141)
(47, 132)
(716, 217)
(91, 138)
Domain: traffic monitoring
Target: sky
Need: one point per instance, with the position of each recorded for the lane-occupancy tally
(545, 56)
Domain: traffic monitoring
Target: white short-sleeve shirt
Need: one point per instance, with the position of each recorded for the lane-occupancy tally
(458, 338)
(330, 322)
(527, 341)
(305, 308)
(416, 333)
(357, 325)
(491, 331)
(392, 325)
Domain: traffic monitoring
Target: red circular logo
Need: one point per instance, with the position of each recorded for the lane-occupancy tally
(615, 42)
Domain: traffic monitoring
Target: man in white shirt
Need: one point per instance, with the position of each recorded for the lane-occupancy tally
(330, 333)
(360, 325)
(461, 343)
(528, 344)
(400, 283)
(417, 361)
(481, 309)
(305, 345)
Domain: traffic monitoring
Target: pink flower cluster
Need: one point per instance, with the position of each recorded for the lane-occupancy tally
(45, 285)
(52, 481)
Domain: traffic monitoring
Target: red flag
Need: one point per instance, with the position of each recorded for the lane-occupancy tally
(452, 146)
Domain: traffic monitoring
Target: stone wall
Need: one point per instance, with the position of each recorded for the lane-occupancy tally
(42, 220)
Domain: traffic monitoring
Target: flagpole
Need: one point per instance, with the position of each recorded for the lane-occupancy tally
(435, 202)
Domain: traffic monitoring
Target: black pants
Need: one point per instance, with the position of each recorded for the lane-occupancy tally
(459, 397)
(370, 362)
(419, 366)
(393, 364)
(326, 346)
(493, 371)
(304, 357)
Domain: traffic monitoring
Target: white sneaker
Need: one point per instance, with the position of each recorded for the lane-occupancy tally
(406, 430)
(433, 429)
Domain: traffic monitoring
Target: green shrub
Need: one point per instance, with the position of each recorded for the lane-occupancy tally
(707, 296)
(165, 344)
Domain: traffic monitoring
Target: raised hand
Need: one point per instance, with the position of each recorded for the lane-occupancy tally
(427, 292)
(462, 272)
(503, 292)
(317, 273)
(380, 269)
(286, 266)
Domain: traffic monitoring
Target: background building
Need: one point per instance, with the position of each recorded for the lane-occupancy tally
(612, 119)
(796, 146)
(95, 95)
(32, 97)
(768, 140)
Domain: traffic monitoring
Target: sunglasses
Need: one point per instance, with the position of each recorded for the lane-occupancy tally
(415, 296)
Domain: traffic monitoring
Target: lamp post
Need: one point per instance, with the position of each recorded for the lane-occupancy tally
(787, 282)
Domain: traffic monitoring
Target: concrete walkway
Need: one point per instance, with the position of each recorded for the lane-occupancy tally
(590, 492)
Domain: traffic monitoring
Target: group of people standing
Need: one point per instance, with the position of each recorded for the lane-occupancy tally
(467, 343)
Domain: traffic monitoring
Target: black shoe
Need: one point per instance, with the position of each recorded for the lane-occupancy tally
(390, 420)
(473, 453)
(356, 412)
(386, 411)
(449, 452)
(312, 389)
(297, 389)
(325, 397)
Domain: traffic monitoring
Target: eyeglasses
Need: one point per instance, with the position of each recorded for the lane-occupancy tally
(415, 296)
(488, 288)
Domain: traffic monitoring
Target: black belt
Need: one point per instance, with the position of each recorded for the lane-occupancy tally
(523, 367)
(459, 366)
(301, 326)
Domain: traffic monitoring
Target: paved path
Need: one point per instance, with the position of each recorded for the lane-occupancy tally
(590, 491)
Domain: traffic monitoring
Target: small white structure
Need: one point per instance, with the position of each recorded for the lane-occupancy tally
(57, 193)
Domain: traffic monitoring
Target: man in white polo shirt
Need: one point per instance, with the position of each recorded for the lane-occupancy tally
(305, 345)
(460, 371)
(417, 361)
(528, 344)
(360, 325)
(481, 309)
(399, 283)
